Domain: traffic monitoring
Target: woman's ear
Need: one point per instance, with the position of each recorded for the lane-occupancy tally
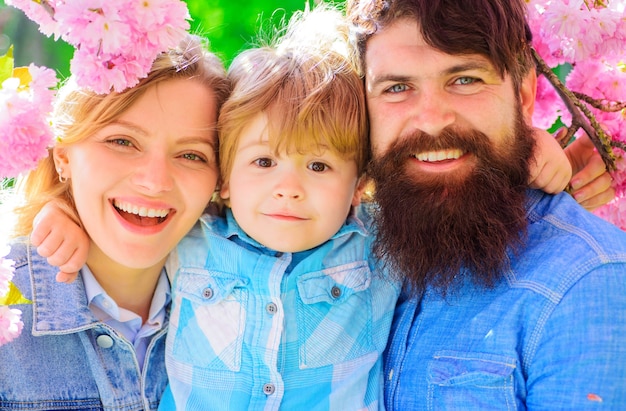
(61, 162)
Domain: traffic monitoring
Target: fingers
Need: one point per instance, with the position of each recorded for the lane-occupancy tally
(596, 193)
(551, 182)
(63, 277)
(594, 169)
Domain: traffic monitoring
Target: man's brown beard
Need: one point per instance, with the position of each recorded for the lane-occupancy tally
(430, 227)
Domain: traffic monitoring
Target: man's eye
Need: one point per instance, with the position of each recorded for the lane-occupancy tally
(263, 162)
(318, 166)
(397, 88)
(463, 81)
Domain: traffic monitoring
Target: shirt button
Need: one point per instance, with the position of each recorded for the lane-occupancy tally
(104, 341)
(279, 254)
(271, 308)
(335, 292)
(269, 389)
(207, 293)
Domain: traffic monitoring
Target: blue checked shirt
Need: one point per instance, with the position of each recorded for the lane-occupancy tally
(256, 329)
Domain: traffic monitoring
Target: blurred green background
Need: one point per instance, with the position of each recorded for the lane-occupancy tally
(229, 25)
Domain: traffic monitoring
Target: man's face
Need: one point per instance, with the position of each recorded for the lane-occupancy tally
(411, 86)
(450, 146)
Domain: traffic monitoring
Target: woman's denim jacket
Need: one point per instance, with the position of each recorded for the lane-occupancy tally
(65, 359)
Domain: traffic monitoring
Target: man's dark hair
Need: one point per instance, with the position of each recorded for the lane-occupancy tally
(496, 29)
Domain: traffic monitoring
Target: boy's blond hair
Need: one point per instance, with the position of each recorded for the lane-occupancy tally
(79, 113)
(307, 84)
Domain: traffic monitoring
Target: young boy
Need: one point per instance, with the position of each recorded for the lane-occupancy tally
(278, 301)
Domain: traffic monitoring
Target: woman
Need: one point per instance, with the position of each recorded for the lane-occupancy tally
(136, 169)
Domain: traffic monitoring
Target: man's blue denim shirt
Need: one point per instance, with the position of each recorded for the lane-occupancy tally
(550, 335)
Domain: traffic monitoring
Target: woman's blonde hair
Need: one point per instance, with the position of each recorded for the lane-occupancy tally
(79, 113)
(307, 84)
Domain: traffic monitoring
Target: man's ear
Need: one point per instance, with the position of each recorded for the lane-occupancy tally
(361, 185)
(528, 94)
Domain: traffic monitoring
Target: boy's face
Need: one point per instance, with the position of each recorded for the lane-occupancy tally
(288, 202)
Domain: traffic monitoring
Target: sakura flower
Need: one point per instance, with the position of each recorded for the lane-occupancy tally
(25, 132)
(6, 271)
(10, 324)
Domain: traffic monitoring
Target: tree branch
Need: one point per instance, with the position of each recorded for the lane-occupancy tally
(582, 117)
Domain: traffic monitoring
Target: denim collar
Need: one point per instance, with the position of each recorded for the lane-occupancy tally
(58, 308)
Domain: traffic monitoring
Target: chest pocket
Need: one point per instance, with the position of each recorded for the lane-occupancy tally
(208, 318)
(334, 315)
(471, 381)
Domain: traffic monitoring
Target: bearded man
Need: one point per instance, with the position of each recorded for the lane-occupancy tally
(515, 299)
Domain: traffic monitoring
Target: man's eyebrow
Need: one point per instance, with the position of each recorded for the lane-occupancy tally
(473, 64)
(385, 78)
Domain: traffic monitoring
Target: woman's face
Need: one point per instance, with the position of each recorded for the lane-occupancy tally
(141, 182)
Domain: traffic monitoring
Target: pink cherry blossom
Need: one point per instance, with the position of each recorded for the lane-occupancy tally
(10, 324)
(25, 132)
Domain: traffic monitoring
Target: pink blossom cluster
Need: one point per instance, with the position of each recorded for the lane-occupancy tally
(25, 132)
(590, 35)
(116, 41)
(10, 318)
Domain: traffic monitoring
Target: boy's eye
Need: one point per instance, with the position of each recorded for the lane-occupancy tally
(264, 162)
(318, 166)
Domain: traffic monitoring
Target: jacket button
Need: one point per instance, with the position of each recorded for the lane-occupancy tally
(104, 341)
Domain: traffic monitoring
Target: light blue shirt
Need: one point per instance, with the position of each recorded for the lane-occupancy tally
(252, 328)
(124, 321)
(550, 336)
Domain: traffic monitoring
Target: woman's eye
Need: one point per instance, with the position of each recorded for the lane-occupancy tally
(194, 157)
(120, 142)
(397, 88)
(318, 166)
(264, 162)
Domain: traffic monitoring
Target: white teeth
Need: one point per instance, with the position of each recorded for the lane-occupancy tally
(439, 155)
(141, 211)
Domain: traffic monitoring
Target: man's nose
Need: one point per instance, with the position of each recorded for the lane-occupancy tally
(432, 112)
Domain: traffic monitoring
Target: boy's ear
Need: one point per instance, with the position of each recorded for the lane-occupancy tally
(359, 190)
(528, 95)
(224, 191)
